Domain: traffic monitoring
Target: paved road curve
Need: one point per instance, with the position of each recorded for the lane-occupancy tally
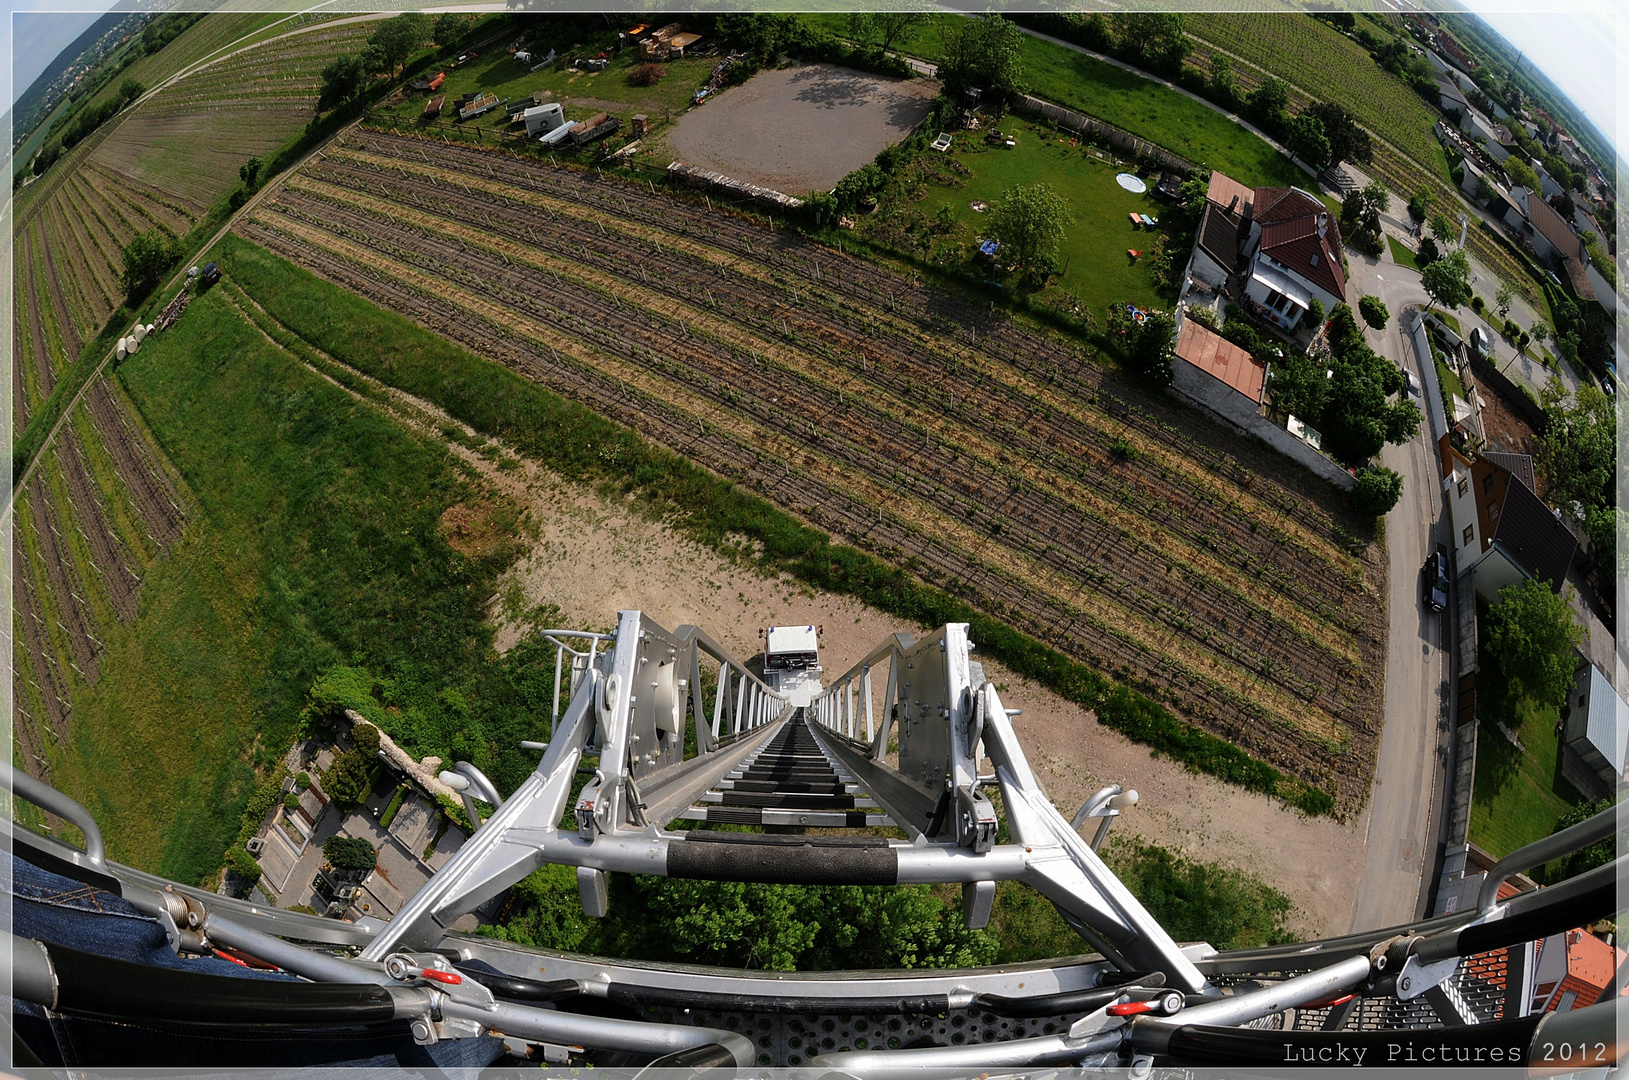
(1404, 804)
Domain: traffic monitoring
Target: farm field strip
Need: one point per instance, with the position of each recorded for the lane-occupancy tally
(34, 371)
(131, 188)
(888, 297)
(56, 564)
(90, 288)
(37, 664)
(671, 291)
(149, 488)
(115, 216)
(93, 230)
(105, 555)
(629, 400)
(124, 517)
(141, 211)
(93, 594)
(867, 419)
(867, 438)
(54, 312)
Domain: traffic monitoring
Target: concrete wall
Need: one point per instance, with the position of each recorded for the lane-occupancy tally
(1604, 292)
(1233, 409)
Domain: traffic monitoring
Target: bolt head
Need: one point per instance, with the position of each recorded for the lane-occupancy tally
(1405, 984)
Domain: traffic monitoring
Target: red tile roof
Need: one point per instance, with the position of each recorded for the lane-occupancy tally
(1289, 222)
(1229, 194)
(1219, 358)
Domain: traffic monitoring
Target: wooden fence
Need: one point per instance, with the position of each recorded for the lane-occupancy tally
(1101, 131)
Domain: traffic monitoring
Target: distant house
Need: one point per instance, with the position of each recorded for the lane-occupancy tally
(1479, 129)
(1503, 532)
(1450, 96)
(1595, 734)
(1217, 372)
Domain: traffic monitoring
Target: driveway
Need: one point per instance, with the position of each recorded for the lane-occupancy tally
(1404, 804)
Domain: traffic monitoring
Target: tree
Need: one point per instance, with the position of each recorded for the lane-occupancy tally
(449, 29)
(147, 257)
(982, 52)
(1531, 633)
(1376, 491)
(888, 25)
(1155, 40)
(350, 853)
(760, 33)
(1485, 191)
(1442, 228)
(1374, 312)
(1577, 451)
(1427, 253)
(130, 90)
(346, 780)
(1221, 86)
(1420, 204)
(344, 81)
(1347, 141)
(399, 37)
(1029, 221)
(1266, 105)
(1315, 313)
(1503, 299)
(1520, 173)
(1299, 385)
(249, 172)
(242, 864)
(1585, 859)
(1448, 280)
(1306, 140)
(1361, 210)
(365, 737)
(1146, 347)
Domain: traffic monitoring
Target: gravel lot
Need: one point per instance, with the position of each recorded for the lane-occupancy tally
(800, 129)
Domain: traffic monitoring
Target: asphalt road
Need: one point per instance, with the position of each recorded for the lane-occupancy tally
(1404, 805)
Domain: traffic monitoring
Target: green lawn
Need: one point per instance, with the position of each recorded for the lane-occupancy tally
(1448, 379)
(1097, 268)
(313, 541)
(1127, 100)
(1518, 797)
(1401, 253)
(1449, 320)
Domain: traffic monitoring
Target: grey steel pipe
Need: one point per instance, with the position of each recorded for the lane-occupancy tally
(1576, 1040)
(1049, 1050)
(1152, 1035)
(598, 1032)
(309, 963)
(28, 971)
(1539, 852)
(52, 801)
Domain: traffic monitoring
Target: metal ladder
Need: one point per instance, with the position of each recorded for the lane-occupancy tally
(789, 781)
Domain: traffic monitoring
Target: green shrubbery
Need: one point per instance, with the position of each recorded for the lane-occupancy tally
(242, 864)
(351, 854)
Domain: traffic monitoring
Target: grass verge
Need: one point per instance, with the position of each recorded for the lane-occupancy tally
(1401, 253)
(583, 446)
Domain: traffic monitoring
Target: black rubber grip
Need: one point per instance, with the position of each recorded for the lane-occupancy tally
(1503, 1044)
(100, 986)
(784, 860)
(1596, 902)
(518, 989)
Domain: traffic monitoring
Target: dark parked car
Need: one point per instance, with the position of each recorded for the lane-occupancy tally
(1435, 588)
(211, 275)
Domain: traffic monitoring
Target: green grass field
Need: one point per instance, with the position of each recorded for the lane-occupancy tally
(1401, 253)
(314, 541)
(1125, 99)
(1517, 797)
(1097, 268)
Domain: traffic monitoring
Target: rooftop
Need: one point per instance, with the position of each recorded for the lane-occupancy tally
(1518, 465)
(1529, 532)
(1297, 231)
(1229, 194)
(1219, 358)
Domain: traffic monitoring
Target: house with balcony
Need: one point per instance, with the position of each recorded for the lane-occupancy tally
(1503, 532)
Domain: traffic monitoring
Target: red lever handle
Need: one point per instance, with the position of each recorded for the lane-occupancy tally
(451, 978)
(1130, 1008)
(1327, 1003)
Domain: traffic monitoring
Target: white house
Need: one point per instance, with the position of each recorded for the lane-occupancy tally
(1596, 734)
(1281, 243)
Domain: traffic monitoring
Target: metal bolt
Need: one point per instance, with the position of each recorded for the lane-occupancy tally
(422, 1032)
(1405, 984)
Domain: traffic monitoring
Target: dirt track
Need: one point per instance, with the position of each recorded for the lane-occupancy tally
(802, 128)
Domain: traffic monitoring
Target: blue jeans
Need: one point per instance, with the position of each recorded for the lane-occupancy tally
(61, 911)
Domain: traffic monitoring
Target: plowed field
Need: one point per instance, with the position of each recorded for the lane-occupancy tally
(1000, 462)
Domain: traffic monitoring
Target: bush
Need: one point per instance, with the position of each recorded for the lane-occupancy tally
(646, 75)
(242, 864)
(346, 780)
(366, 739)
(1477, 304)
(1377, 490)
(291, 801)
(351, 853)
(1374, 312)
(302, 780)
(1196, 901)
(1315, 313)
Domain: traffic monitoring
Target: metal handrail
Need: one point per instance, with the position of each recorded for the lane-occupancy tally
(1539, 852)
(52, 801)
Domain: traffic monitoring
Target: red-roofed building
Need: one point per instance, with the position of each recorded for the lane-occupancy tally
(1572, 970)
(1281, 241)
(1217, 357)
